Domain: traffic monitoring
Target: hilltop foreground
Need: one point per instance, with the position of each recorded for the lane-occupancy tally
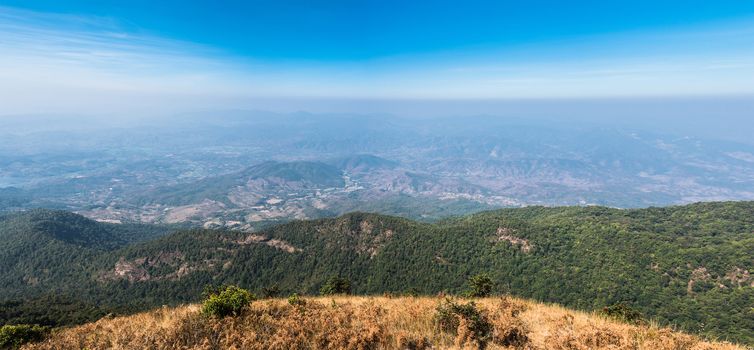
(370, 323)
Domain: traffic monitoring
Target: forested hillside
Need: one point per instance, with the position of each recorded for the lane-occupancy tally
(688, 266)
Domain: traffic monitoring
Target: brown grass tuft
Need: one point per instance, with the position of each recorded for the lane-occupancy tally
(368, 323)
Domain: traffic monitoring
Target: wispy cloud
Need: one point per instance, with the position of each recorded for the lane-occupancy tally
(69, 63)
(34, 44)
(57, 62)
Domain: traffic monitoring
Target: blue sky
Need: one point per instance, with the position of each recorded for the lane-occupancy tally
(92, 56)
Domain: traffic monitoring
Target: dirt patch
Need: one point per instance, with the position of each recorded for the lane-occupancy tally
(188, 212)
(697, 275)
(370, 242)
(506, 234)
(366, 227)
(133, 271)
(138, 269)
(272, 242)
(739, 277)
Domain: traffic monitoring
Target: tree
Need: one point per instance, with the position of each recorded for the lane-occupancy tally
(480, 286)
(13, 336)
(229, 301)
(336, 285)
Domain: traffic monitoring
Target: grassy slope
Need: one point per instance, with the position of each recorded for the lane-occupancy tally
(367, 323)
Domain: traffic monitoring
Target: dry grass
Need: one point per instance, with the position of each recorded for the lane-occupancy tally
(367, 323)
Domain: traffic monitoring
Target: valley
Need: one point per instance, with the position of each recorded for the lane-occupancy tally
(245, 170)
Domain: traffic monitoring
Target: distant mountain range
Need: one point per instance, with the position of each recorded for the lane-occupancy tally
(245, 170)
(689, 265)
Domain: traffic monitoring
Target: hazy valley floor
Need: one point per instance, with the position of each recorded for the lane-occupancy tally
(369, 323)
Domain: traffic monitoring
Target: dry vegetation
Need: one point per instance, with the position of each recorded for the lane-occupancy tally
(368, 323)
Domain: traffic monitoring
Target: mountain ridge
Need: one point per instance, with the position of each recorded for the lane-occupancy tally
(668, 262)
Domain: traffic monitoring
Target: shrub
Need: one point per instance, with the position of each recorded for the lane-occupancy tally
(336, 285)
(465, 321)
(479, 286)
(228, 301)
(622, 312)
(13, 336)
(295, 300)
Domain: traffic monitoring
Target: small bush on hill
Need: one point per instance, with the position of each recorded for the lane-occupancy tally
(226, 302)
(295, 300)
(13, 336)
(336, 285)
(466, 321)
(480, 286)
(622, 312)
